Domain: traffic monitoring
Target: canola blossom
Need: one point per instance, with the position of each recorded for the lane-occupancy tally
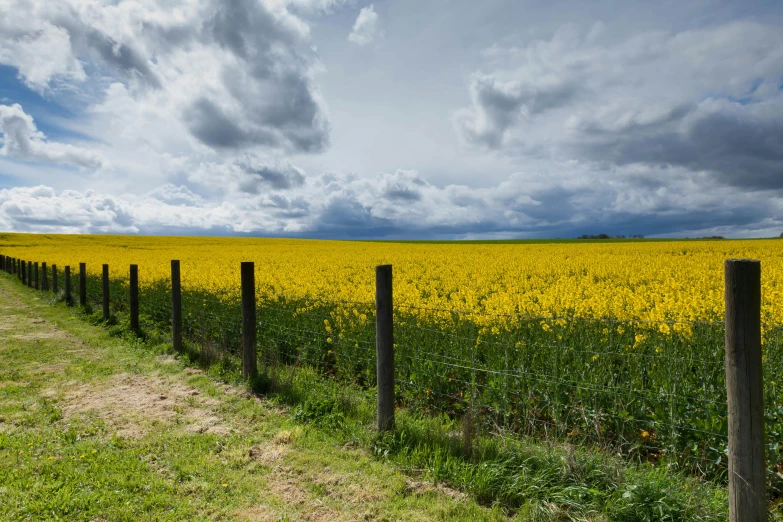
(616, 343)
(667, 281)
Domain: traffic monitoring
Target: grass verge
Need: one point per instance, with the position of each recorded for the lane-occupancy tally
(95, 427)
(306, 452)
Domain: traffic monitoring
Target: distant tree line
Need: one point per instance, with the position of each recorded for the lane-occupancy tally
(607, 236)
(639, 236)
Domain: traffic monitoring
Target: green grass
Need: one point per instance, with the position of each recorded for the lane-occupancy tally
(433, 466)
(85, 435)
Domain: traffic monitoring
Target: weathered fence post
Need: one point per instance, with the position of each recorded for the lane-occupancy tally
(176, 306)
(249, 363)
(68, 300)
(384, 346)
(82, 284)
(105, 292)
(54, 279)
(35, 265)
(44, 278)
(30, 274)
(744, 387)
(134, 297)
(24, 272)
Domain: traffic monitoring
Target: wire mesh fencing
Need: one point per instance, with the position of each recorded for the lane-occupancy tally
(649, 390)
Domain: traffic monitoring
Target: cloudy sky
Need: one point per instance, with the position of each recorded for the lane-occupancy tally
(392, 118)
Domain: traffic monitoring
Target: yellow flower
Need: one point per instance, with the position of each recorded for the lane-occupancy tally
(645, 434)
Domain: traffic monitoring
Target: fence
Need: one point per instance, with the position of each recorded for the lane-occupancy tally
(687, 393)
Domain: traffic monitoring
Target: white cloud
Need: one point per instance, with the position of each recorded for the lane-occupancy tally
(569, 201)
(40, 209)
(39, 49)
(366, 27)
(691, 99)
(236, 75)
(21, 139)
(208, 110)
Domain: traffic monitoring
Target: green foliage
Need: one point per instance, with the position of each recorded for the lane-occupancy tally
(536, 393)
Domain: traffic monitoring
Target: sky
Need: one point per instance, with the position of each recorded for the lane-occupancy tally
(391, 119)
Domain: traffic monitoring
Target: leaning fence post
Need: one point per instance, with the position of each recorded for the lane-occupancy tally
(44, 278)
(36, 275)
(744, 387)
(176, 306)
(68, 299)
(249, 363)
(105, 292)
(134, 297)
(82, 284)
(384, 346)
(54, 279)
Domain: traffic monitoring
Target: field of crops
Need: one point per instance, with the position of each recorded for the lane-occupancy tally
(612, 343)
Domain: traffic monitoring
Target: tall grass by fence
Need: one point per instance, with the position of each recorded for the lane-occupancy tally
(652, 391)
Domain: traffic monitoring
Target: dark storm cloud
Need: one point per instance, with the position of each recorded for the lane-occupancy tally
(402, 186)
(706, 100)
(498, 106)
(210, 124)
(278, 178)
(122, 57)
(271, 84)
(237, 74)
(742, 145)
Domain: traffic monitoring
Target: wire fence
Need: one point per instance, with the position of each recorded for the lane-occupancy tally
(652, 391)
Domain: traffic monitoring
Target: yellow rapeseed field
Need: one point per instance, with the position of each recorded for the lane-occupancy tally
(655, 281)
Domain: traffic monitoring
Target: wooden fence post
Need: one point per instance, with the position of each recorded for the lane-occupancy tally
(176, 306)
(745, 392)
(134, 297)
(35, 265)
(106, 292)
(384, 346)
(68, 300)
(30, 274)
(249, 363)
(54, 279)
(24, 272)
(44, 278)
(82, 284)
